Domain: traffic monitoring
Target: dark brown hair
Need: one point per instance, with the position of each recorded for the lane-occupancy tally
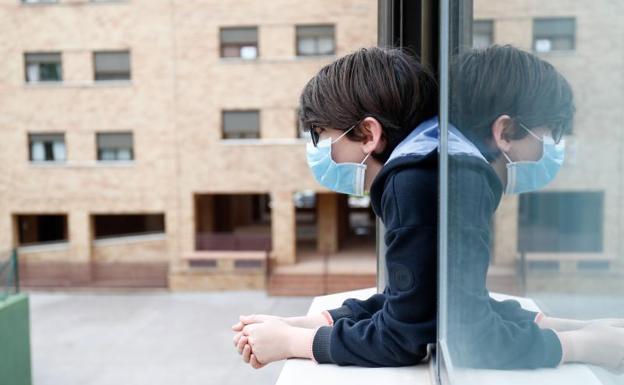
(389, 85)
(504, 80)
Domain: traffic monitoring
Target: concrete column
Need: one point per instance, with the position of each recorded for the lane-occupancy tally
(327, 222)
(283, 227)
(80, 235)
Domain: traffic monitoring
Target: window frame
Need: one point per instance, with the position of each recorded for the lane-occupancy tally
(239, 45)
(250, 110)
(98, 150)
(39, 63)
(95, 71)
(298, 52)
(551, 36)
(31, 136)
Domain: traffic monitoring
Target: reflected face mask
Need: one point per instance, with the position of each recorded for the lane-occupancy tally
(346, 178)
(525, 176)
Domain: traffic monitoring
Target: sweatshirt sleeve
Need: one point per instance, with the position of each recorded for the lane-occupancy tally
(510, 309)
(398, 333)
(480, 332)
(357, 309)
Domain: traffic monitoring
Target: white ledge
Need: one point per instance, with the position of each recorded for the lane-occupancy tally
(301, 372)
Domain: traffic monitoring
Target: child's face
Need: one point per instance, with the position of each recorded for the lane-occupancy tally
(528, 148)
(345, 149)
(348, 150)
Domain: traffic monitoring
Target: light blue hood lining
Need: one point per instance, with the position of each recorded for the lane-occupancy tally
(424, 139)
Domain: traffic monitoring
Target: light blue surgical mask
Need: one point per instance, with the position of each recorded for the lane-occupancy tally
(525, 176)
(346, 178)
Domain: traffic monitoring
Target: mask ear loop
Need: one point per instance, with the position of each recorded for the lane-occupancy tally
(366, 157)
(506, 156)
(343, 134)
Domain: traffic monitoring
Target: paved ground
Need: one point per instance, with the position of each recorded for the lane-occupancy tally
(162, 338)
(147, 338)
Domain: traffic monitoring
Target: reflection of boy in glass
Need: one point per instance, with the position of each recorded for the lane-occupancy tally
(511, 110)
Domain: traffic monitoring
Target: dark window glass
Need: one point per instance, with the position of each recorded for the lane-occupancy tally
(115, 146)
(239, 42)
(46, 147)
(560, 222)
(112, 65)
(553, 34)
(43, 67)
(241, 124)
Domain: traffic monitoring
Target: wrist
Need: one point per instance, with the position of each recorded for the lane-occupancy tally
(300, 342)
(560, 324)
(310, 321)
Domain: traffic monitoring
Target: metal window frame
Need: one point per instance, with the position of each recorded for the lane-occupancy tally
(434, 30)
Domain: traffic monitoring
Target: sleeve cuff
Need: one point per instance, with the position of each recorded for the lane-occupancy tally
(328, 317)
(538, 317)
(320, 345)
(342, 312)
(554, 348)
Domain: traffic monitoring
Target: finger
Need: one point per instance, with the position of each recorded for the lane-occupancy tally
(237, 327)
(246, 353)
(237, 337)
(241, 344)
(248, 329)
(251, 318)
(254, 362)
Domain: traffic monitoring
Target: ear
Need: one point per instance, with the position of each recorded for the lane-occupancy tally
(372, 131)
(502, 132)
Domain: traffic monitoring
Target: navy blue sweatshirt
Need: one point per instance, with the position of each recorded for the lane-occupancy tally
(393, 328)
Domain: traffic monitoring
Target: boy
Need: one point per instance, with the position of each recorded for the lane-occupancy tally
(511, 110)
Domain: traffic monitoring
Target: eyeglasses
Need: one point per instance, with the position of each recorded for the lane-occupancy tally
(556, 132)
(316, 136)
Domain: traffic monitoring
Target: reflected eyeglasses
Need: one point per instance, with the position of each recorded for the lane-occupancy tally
(557, 132)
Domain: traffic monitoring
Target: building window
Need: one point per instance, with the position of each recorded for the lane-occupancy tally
(46, 147)
(482, 33)
(313, 40)
(239, 42)
(554, 34)
(112, 65)
(115, 146)
(241, 124)
(561, 222)
(34, 229)
(43, 67)
(119, 225)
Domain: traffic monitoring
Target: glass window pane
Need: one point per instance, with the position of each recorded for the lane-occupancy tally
(241, 124)
(531, 210)
(315, 40)
(115, 146)
(112, 65)
(483, 33)
(239, 42)
(553, 34)
(47, 147)
(43, 67)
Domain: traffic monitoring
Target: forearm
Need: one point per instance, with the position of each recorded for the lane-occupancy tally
(310, 321)
(560, 324)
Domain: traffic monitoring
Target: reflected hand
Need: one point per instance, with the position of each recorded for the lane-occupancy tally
(597, 343)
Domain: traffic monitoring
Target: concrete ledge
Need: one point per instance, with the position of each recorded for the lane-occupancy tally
(302, 372)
